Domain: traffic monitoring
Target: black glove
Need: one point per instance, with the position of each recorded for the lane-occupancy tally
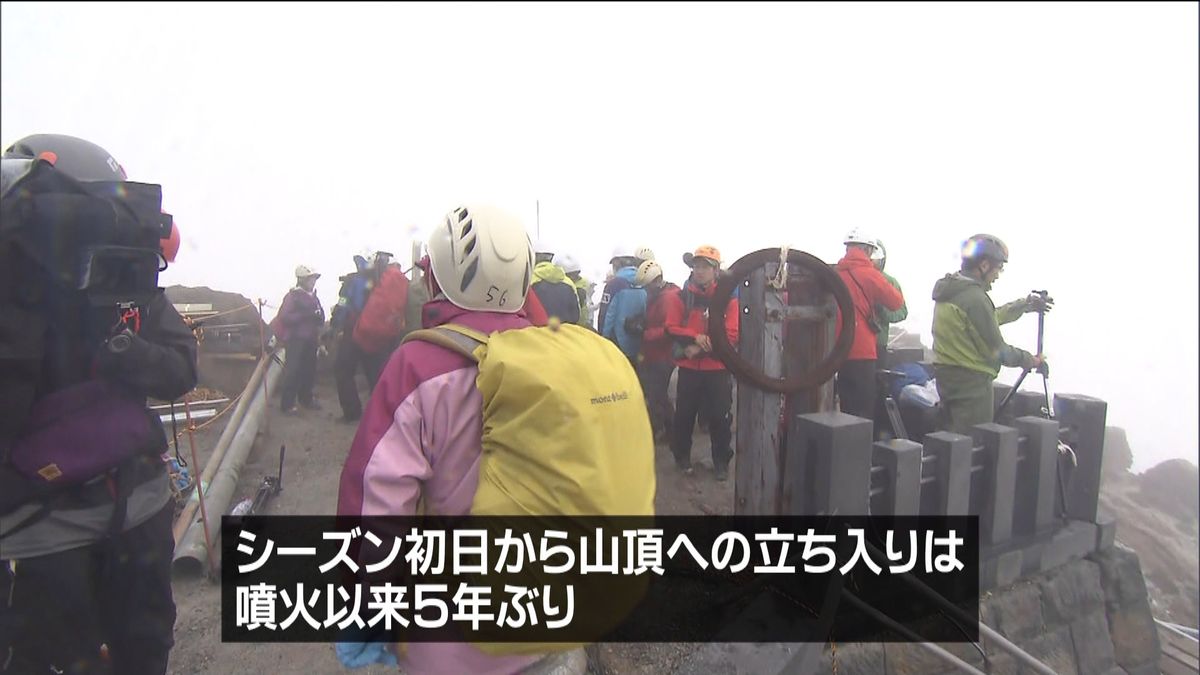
(1037, 302)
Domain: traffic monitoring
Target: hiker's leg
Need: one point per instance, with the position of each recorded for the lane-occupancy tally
(966, 398)
(688, 395)
(307, 375)
(718, 401)
(345, 367)
(660, 402)
(138, 605)
(48, 614)
(856, 388)
(288, 381)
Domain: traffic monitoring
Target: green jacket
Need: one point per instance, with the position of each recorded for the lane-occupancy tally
(885, 317)
(966, 326)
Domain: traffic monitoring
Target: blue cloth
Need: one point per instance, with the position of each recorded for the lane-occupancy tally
(352, 297)
(914, 373)
(363, 654)
(626, 303)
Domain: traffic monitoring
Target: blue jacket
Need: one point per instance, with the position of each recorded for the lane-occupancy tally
(625, 303)
(352, 297)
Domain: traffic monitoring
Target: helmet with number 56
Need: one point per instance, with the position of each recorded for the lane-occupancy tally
(482, 259)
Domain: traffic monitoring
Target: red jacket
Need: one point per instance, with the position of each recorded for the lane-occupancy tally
(867, 288)
(656, 344)
(534, 311)
(684, 323)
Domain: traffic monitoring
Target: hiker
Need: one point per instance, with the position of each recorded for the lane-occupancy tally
(968, 349)
(583, 288)
(884, 317)
(555, 292)
(856, 383)
(350, 357)
(420, 442)
(624, 262)
(656, 365)
(298, 326)
(626, 306)
(85, 560)
(703, 387)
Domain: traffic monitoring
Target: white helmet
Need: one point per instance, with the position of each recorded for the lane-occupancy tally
(482, 259)
(857, 236)
(623, 251)
(643, 253)
(543, 246)
(305, 271)
(567, 262)
(647, 272)
(879, 253)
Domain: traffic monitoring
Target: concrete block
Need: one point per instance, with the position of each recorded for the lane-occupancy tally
(901, 460)
(1086, 417)
(1070, 592)
(953, 484)
(1000, 450)
(1037, 477)
(839, 463)
(1075, 541)
(1093, 645)
(1000, 569)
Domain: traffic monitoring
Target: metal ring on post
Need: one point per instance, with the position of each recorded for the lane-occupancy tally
(740, 367)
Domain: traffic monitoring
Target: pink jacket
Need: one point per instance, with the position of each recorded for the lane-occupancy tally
(420, 436)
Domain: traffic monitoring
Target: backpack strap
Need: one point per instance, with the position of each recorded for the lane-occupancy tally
(458, 339)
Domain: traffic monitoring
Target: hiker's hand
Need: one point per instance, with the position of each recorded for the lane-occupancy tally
(1037, 363)
(1043, 367)
(635, 324)
(704, 343)
(691, 351)
(1036, 303)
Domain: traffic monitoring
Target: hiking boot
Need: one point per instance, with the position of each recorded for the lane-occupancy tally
(292, 411)
(685, 467)
(721, 473)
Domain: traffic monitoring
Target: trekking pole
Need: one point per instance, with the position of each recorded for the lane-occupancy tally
(1041, 334)
(191, 429)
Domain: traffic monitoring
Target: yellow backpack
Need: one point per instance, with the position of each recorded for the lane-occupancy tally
(565, 433)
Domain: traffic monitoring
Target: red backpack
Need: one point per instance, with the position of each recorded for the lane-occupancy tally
(381, 322)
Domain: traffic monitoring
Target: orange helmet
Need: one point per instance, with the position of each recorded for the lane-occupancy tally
(707, 252)
(170, 245)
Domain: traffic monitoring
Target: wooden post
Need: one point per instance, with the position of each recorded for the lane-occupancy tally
(759, 469)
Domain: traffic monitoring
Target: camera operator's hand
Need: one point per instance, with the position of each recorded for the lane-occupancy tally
(1038, 363)
(1036, 302)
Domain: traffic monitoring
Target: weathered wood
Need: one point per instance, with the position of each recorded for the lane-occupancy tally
(759, 470)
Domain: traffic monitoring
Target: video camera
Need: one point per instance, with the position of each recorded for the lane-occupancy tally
(97, 238)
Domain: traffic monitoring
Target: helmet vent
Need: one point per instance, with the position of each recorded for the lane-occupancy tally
(469, 275)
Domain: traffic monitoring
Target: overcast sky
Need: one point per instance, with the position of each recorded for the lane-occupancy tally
(300, 133)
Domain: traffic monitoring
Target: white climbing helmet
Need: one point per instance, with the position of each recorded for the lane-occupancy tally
(482, 259)
(879, 253)
(858, 236)
(647, 272)
(567, 262)
(643, 253)
(305, 271)
(623, 251)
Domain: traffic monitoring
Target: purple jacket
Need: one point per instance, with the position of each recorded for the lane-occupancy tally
(301, 315)
(420, 437)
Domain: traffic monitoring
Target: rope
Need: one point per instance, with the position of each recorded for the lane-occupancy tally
(231, 311)
(779, 282)
(214, 418)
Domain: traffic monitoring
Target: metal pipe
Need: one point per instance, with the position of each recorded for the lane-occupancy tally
(188, 514)
(890, 623)
(958, 613)
(190, 554)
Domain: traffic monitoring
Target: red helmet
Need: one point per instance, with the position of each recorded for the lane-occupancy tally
(170, 245)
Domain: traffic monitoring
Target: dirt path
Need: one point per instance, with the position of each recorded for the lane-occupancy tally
(316, 448)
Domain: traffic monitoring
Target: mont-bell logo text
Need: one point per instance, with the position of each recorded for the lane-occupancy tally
(610, 398)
